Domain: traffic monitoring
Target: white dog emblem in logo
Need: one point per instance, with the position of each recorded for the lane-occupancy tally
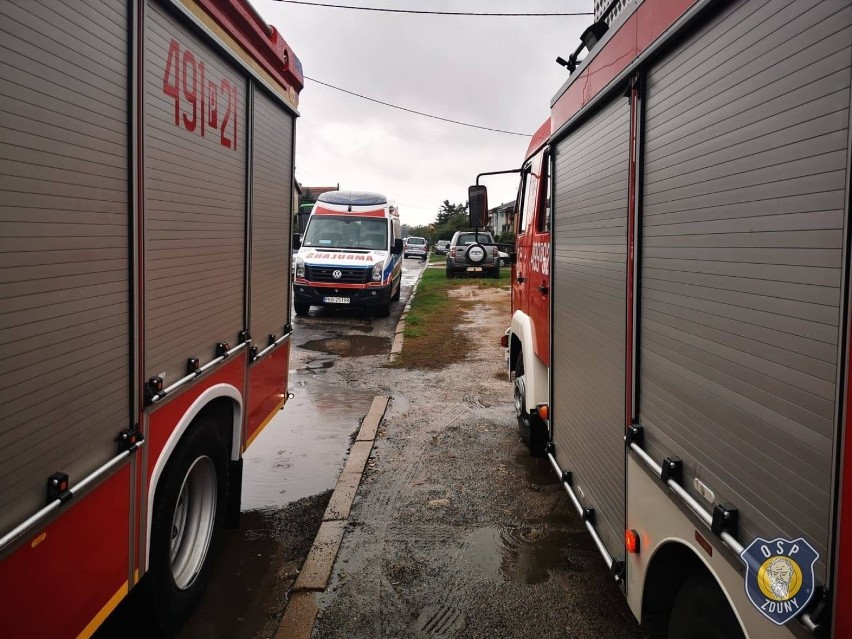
(337, 274)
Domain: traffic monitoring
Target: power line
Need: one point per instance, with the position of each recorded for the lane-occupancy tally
(439, 13)
(427, 115)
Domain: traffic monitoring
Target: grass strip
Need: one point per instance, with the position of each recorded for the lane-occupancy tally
(432, 336)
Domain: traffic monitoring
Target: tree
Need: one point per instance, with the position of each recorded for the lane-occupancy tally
(419, 231)
(447, 211)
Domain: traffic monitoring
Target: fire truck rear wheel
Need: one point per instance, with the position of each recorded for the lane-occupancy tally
(189, 508)
(700, 611)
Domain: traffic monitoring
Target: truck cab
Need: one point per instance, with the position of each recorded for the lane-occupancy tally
(350, 254)
(528, 337)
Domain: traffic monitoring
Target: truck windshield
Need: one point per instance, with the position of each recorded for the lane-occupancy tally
(331, 231)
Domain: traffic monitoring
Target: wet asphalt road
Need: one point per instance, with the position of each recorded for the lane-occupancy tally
(301, 451)
(288, 475)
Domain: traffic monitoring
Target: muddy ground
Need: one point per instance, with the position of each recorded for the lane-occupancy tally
(456, 532)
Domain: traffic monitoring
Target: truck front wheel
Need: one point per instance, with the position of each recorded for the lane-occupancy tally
(384, 309)
(189, 506)
(532, 428)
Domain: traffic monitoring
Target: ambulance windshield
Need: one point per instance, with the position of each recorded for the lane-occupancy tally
(344, 232)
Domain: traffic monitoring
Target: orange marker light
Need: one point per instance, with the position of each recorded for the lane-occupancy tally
(544, 411)
(631, 541)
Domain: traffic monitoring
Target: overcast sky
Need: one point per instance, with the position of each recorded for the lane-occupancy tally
(489, 71)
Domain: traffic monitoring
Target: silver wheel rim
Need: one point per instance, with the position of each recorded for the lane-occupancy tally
(520, 391)
(192, 523)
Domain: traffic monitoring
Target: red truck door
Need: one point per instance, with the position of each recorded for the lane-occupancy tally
(539, 285)
(520, 270)
(531, 283)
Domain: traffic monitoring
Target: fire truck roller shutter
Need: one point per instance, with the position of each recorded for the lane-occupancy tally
(272, 179)
(195, 198)
(746, 153)
(589, 298)
(64, 251)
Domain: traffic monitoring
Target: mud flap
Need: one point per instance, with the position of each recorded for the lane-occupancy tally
(235, 491)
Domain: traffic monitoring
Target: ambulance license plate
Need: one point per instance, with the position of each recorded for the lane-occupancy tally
(474, 268)
(336, 300)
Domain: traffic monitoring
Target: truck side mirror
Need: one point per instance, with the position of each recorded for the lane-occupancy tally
(297, 242)
(396, 249)
(477, 197)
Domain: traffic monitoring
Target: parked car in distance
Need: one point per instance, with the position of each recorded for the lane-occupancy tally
(442, 247)
(473, 253)
(415, 247)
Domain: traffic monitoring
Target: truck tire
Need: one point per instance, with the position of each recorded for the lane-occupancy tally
(189, 509)
(532, 429)
(450, 273)
(384, 309)
(301, 309)
(700, 611)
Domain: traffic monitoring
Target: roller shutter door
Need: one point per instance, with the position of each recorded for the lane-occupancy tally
(272, 212)
(64, 294)
(589, 306)
(195, 198)
(742, 239)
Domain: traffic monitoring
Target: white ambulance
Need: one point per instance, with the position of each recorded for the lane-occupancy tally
(350, 254)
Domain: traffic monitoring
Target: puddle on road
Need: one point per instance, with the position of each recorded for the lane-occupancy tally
(301, 451)
(539, 472)
(410, 277)
(317, 365)
(352, 324)
(522, 555)
(350, 345)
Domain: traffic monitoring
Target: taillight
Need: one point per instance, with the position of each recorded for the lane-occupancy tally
(452, 252)
(631, 542)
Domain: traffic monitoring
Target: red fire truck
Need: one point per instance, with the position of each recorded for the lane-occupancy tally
(146, 170)
(681, 290)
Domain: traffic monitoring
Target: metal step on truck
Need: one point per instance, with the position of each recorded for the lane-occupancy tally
(681, 296)
(146, 191)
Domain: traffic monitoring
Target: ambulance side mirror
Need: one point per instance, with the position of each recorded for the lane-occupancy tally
(396, 249)
(477, 198)
(297, 242)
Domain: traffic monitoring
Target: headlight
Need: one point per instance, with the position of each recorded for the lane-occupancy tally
(300, 267)
(377, 271)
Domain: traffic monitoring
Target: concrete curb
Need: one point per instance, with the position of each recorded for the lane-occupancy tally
(301, 611)
(398, 337)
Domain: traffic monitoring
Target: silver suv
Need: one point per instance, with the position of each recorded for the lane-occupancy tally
(473, 253)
